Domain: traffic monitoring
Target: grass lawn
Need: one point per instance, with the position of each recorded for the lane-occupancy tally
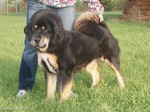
(134, 41)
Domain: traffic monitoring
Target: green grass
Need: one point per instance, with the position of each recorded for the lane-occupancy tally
(134, 41)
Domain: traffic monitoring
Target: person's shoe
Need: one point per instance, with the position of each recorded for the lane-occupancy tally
(21, 93)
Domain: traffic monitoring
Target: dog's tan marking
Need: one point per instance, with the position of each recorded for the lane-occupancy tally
(92, 68)
(65, 90)
(47, 57)
(117, 72)
(51, 85)
(43, 28)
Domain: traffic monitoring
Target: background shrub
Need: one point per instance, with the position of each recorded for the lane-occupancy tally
(109, 5)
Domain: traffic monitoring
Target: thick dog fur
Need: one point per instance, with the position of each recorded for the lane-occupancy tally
(63, 52)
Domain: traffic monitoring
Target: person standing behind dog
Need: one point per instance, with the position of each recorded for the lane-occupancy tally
(66, 10)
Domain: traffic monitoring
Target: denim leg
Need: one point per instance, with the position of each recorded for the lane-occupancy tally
(28, 66)
(67, 16)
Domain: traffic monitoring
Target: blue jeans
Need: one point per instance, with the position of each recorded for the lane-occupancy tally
(28, 66)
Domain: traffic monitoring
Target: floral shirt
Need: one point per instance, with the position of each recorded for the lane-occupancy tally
(94, 5)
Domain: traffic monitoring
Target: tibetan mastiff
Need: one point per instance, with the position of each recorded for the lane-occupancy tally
(62, 52)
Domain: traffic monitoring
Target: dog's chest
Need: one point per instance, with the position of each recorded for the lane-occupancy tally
(48, 62)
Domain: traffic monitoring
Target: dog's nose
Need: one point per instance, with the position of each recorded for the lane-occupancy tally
(37, 39)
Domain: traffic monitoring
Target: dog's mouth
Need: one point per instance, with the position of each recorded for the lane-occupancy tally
(40, 45)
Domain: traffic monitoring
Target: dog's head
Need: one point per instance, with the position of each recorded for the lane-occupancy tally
(44, 30)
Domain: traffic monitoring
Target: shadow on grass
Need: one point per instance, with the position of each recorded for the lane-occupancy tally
(112, 15)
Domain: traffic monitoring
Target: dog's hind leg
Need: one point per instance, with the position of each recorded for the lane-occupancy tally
(92, 68)
(51, 80)
(115, 65)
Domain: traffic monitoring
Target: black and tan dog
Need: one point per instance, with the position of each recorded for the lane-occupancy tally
(63, 52)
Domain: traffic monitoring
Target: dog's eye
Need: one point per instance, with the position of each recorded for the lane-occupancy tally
(34, 27)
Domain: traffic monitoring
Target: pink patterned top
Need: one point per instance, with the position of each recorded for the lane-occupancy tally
(94, 5)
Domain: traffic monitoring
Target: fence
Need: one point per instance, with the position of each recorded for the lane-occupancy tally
(12, 6)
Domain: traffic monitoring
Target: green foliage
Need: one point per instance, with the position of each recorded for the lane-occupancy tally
(113, 4)
(81, 5)
(134, 43)
(109, 5)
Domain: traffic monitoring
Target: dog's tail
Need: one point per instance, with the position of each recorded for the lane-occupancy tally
(89, 24)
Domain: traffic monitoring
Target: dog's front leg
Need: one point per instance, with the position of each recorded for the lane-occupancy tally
(65, 87)
(51, 80)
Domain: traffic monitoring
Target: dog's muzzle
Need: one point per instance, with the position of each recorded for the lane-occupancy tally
(39, 42)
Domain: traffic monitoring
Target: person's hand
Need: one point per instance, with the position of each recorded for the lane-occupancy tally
(101, 18)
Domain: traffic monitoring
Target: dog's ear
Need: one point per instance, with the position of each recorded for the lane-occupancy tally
(26, 30)
(57, 37)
